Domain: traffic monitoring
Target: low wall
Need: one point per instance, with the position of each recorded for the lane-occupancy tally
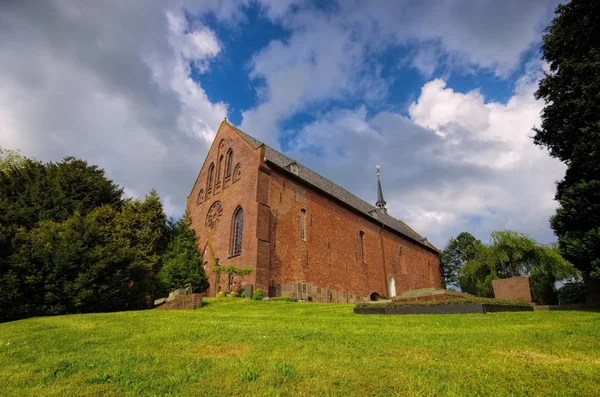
(461, 308)
(192, 301)
(309, 292)
(571, 306)
(512, 288)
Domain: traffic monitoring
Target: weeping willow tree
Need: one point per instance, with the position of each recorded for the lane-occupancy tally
(512, 254)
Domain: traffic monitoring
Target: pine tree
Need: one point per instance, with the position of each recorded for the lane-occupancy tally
(182, 261)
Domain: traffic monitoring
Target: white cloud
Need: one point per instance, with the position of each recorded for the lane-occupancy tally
(459, 163)
(110, 82)
(330, 54)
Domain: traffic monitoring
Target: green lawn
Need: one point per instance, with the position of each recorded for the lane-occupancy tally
(236, 347)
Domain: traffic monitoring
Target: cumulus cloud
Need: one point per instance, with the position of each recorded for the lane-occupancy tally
(110, 82)
(329, 56)
(456, 163)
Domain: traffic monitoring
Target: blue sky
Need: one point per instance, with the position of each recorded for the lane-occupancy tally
(439, 93)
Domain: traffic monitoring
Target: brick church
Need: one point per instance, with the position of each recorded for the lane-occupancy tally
(305, 236)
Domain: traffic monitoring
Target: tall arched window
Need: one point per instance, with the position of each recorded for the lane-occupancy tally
(228, 163)
(362, 245)
(237, 231)
(211, 176)
(219, 169)
(303, 224)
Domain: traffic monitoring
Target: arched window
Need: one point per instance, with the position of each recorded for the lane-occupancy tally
(219, 169)
(237, 231)
(211, 176)
(303, 224)
(362, 246)
(237, 172)
(200, 197)
(228, 163)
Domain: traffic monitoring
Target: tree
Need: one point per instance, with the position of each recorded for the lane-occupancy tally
(10, 158)
(69, 243)
(457, 252)
(511, 254)
(570, 130)
(182, 263)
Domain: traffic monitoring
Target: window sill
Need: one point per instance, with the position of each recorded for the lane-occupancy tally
(233, 256)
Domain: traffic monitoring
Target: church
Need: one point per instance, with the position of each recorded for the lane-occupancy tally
(304, 236)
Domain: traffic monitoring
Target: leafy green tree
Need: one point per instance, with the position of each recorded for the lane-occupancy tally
(69, 243)
(570, 130)
(511, 254)
(182, 261)
(10, 158)
(459, 250)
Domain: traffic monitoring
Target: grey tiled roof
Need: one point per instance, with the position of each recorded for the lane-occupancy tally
(336, 191)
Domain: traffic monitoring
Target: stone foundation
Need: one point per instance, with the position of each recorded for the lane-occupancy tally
(309, 292)
(192, 301)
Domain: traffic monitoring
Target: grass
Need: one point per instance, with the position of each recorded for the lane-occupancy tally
(236, 347)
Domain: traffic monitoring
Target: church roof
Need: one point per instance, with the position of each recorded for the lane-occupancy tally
(312, 178)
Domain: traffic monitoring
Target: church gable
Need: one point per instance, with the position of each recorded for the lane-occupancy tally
(222, 165)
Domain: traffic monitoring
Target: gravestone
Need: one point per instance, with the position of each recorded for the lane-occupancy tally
(248, 291)
(512, 288)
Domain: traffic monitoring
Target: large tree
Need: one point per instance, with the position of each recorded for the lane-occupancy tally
(69, 243)
(570, 130)
(511, 254)
(459, 250)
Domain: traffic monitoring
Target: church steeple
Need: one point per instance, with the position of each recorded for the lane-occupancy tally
(380, 201)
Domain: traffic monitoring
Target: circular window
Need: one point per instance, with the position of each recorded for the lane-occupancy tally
(214, 215)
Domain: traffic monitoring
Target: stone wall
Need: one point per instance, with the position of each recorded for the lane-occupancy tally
(192, 301)
(309, 292)
(512, 288)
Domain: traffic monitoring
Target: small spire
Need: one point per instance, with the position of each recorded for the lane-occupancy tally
(380, 201)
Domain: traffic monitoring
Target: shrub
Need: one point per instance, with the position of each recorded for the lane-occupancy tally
(258, 294)
(282, 299)
(220, 294)
(240, 292)
(232, 294)
(571, 293)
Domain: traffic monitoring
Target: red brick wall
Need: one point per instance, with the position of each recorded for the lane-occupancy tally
(330, 257)
(215, 243)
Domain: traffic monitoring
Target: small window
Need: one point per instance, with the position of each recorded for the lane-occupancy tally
(237, 231)
(228, 163)
(362, 245)
(303, 225)
(200, 197)
(211, 176)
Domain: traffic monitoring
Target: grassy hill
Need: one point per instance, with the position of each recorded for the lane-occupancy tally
(236, 347)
